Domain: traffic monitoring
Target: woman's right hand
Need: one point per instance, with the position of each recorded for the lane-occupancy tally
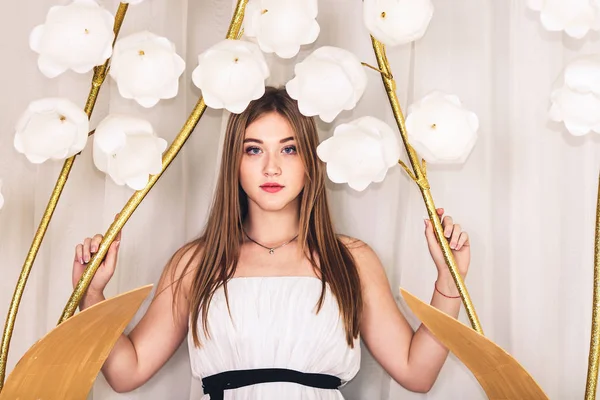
(83, 254)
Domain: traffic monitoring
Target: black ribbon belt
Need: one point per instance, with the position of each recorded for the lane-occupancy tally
(215, 385)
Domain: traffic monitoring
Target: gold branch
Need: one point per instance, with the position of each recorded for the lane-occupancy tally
(407, 170)
(137, 197)
(97, 80)
(594, 354)
(421, 179)
(389, 76)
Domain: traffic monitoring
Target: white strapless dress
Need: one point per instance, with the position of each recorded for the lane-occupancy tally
(273, 324)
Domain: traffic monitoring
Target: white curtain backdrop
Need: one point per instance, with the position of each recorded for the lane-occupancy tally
(526, 194)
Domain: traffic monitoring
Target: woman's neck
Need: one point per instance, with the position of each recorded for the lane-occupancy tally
(271, 228)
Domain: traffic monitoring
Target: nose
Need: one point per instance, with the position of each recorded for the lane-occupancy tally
(272, 167)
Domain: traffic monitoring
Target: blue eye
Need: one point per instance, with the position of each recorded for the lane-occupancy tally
(290, 150)
(252, 151)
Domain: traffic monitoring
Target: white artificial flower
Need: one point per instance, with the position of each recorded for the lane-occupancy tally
(328, 81)
(396, 22)
(282, 26)
(576, 100)
(128, 150)
(77, 37)
(231, 74)
(146, 68)
(51, 128)
(440, 129)
(1, 196)
(575, 17)
(360, 152)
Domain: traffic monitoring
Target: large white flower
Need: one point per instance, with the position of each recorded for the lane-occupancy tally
(360, 152)
(440, 129)
(146, 68)
(328, 81)
(51, 128)
(231, 74)
(77, 37)
(575, 17)
(396, 22)
(576, 100)
(128, 150)
(282, 26)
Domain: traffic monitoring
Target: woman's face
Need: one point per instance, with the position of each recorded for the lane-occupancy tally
(271, 171)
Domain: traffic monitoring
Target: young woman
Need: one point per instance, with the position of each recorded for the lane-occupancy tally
(275, 299)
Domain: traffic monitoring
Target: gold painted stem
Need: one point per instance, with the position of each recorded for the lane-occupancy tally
(97, 80)
(594, 355)
(137, 197)
(420, 177)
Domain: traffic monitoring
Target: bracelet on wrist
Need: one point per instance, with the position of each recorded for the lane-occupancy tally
(445, 295)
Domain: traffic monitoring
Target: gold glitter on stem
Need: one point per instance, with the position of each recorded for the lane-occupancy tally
(137, 197)
(389, 76)
(420, 177)
(594, 355)
(97, 80)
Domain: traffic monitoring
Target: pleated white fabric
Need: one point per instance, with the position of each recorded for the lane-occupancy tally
(274, 324)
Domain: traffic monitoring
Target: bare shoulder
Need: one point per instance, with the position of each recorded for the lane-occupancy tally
(350, 242)
(186, 253)
(364, 256)
(182, 266)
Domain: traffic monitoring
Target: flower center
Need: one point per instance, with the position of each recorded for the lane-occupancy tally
(383, 14)
(235, 60)
(264, 11)
(62, 118)
(433, 126)
(141, 53)
(87, 32)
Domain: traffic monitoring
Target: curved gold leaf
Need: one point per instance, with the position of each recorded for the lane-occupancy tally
(65, 362)
(498, 373)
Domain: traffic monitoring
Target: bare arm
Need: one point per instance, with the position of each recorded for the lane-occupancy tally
(136, 357)
(413, 359)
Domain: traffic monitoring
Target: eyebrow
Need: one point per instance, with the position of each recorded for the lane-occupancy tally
(287, 139)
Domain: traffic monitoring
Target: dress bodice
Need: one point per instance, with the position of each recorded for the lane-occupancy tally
(274, 324)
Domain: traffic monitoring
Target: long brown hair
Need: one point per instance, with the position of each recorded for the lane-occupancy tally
(216, 252)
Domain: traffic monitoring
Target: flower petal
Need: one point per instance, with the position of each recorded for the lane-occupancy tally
(77, 37)
(574, 17)
(327, 82)
(146, 68)
(440, 129)
(281, 27)
(135, 152)
(583, 74)
(397, 22)
(231, 74)
(51, 128)
(355, 153)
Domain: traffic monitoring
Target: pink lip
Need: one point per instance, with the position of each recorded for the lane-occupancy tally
(271, 187)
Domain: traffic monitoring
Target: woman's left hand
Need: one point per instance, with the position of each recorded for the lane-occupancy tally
(459, 244)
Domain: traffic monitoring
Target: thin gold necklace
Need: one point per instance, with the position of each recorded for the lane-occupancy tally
(271, 249)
